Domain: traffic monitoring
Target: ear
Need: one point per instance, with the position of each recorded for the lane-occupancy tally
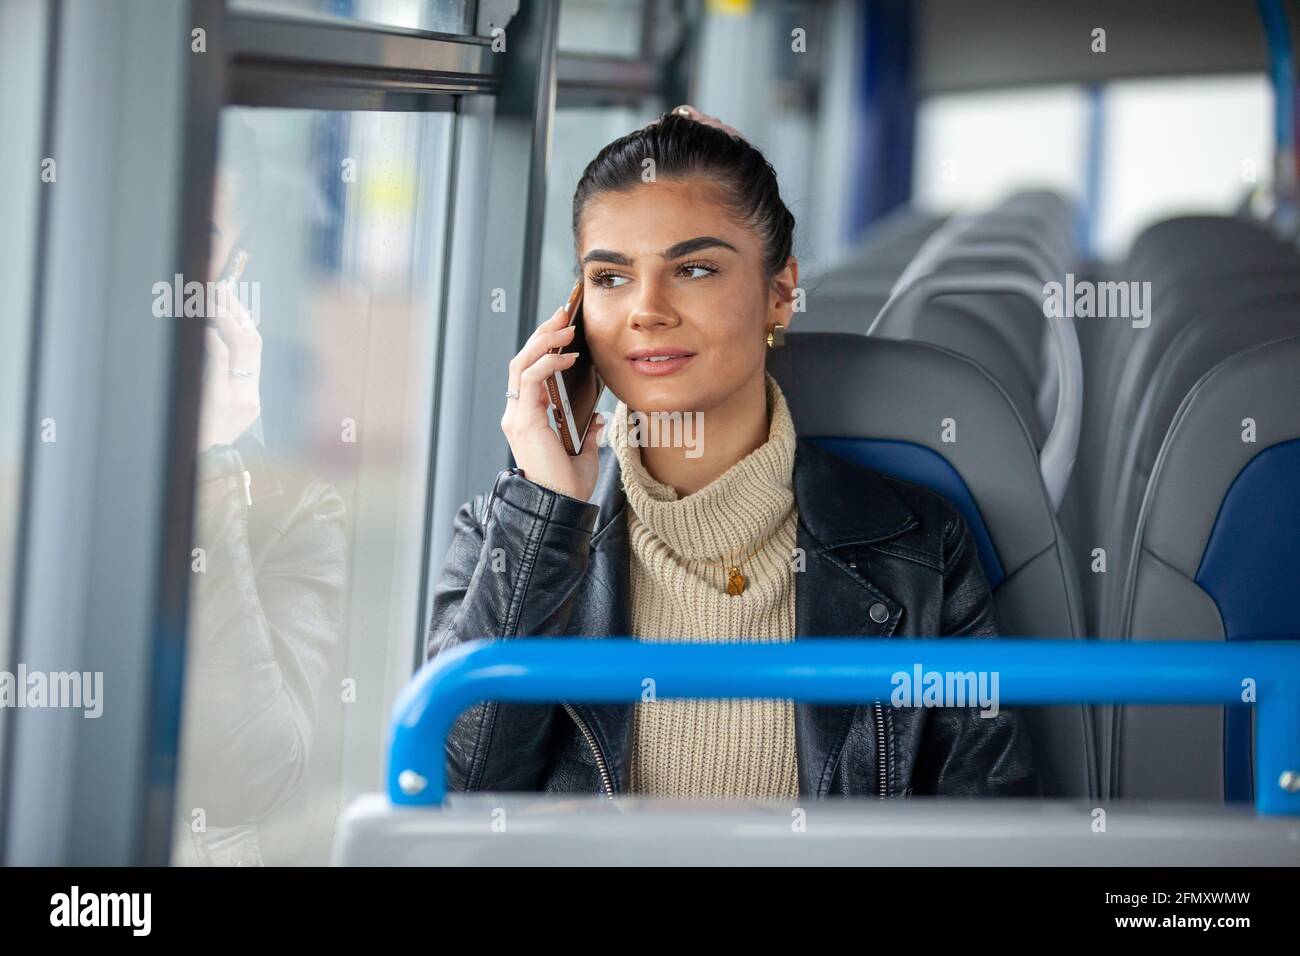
(781, 295)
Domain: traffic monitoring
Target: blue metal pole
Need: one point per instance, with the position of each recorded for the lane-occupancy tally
(884, 113)
(847, 671)
(1281, 69)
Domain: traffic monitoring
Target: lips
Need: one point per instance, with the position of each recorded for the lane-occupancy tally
(659, 361)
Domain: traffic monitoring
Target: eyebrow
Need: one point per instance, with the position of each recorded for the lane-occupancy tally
(676, 251)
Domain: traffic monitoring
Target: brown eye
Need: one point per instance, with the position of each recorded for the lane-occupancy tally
(702, 269)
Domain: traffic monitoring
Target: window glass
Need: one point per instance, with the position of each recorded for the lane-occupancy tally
(1157, 155)
(1178, 146)
(310, 512)
(973, 149)
(439, 16)
(605, 27)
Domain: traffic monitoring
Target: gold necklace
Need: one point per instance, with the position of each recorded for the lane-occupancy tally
(735, 577)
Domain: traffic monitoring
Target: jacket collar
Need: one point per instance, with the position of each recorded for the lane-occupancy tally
(843, 504)
(839, 505)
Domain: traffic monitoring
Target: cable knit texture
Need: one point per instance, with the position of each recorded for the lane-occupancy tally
(680, 549)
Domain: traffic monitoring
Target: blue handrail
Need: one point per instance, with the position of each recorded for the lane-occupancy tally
(843, 670)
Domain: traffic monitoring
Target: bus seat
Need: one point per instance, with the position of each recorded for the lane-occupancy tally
(884, 404)
(974, 329)
(1266, 312)
(1215, 560)
(1230, 282)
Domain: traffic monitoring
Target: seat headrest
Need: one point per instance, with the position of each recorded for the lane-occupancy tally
(852, 386)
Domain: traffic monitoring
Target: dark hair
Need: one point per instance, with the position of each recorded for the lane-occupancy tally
(683, 148)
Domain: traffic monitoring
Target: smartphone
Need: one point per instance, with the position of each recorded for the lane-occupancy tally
(575, 391)
(234, 269)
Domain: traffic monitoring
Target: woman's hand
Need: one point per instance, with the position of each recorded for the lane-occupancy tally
(231, 389)
(536, 447)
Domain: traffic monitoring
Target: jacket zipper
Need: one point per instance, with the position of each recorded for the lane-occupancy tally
(883, 769)
(595, 750)
(878, 712)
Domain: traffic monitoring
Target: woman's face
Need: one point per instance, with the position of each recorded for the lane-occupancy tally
(668, 270)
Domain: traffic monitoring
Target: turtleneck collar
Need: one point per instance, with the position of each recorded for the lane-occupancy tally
(732, 515)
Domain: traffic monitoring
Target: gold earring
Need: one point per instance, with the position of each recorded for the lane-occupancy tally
(776, 337)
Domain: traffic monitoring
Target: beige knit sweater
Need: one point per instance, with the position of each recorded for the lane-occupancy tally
(714, 748)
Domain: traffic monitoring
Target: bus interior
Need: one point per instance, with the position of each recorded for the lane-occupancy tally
(1048, 269)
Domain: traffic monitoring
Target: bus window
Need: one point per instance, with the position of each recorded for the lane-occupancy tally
(606, 27)
(1158, 162)
(972, 149)
(312, 471)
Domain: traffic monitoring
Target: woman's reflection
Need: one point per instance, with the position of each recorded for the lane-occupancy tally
(270, 566)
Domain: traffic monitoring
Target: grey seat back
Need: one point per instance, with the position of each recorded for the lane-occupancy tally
(1191, 263)
(1214, 279)
(886, 404)
(1265, 312)
(899, 318)
(1215, 558)
(963, 324)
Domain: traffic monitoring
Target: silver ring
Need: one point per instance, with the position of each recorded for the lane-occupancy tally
(512, 393)
(240, 373)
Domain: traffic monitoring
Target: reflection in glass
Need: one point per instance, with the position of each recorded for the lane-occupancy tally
(312, 459)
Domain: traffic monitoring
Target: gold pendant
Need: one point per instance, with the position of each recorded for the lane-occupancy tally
(735, 582)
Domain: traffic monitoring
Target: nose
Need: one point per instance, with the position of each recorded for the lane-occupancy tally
(652, 310)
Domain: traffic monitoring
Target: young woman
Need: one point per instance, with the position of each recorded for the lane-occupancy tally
(689, 281)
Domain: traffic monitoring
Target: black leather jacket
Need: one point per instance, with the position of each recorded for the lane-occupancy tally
(562, 570)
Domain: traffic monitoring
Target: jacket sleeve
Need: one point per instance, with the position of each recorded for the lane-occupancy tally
(516, 560)
(262, 635)
(962, 752)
